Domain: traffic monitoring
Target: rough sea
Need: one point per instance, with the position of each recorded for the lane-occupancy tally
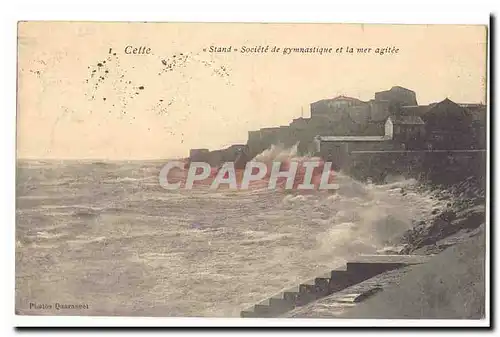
(107, 235)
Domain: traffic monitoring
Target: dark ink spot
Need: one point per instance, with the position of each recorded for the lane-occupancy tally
(141, 87)
(99, 64)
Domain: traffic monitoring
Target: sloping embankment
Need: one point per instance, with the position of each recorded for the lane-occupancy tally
(450, 286)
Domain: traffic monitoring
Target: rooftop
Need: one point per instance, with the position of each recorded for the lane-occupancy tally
(353, 138)
(398, 87)
(341, 98)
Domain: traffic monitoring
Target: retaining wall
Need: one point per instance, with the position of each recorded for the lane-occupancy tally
(358, 270)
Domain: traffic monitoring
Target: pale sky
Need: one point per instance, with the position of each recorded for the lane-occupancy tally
(141, 110)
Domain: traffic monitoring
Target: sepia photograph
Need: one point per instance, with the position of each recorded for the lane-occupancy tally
(326, 171)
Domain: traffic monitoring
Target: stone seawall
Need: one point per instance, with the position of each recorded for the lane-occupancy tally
(440, 167)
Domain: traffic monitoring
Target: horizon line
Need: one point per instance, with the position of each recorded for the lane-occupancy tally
(95, 159)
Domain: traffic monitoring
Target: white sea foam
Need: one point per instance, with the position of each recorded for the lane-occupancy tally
(210, 253)
(48, 236)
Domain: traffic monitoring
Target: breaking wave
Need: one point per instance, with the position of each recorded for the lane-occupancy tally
(274, 154)
(223, 250)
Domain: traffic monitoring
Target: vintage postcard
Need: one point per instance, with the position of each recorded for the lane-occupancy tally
(252, 170)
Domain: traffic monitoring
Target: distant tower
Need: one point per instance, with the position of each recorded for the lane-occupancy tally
(302, 111)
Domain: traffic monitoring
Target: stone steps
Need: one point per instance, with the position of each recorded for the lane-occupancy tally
(358, 270)
(335, 304)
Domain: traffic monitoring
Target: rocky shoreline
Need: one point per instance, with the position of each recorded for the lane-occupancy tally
(449, 285)
(458, 216)
(462, 218)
